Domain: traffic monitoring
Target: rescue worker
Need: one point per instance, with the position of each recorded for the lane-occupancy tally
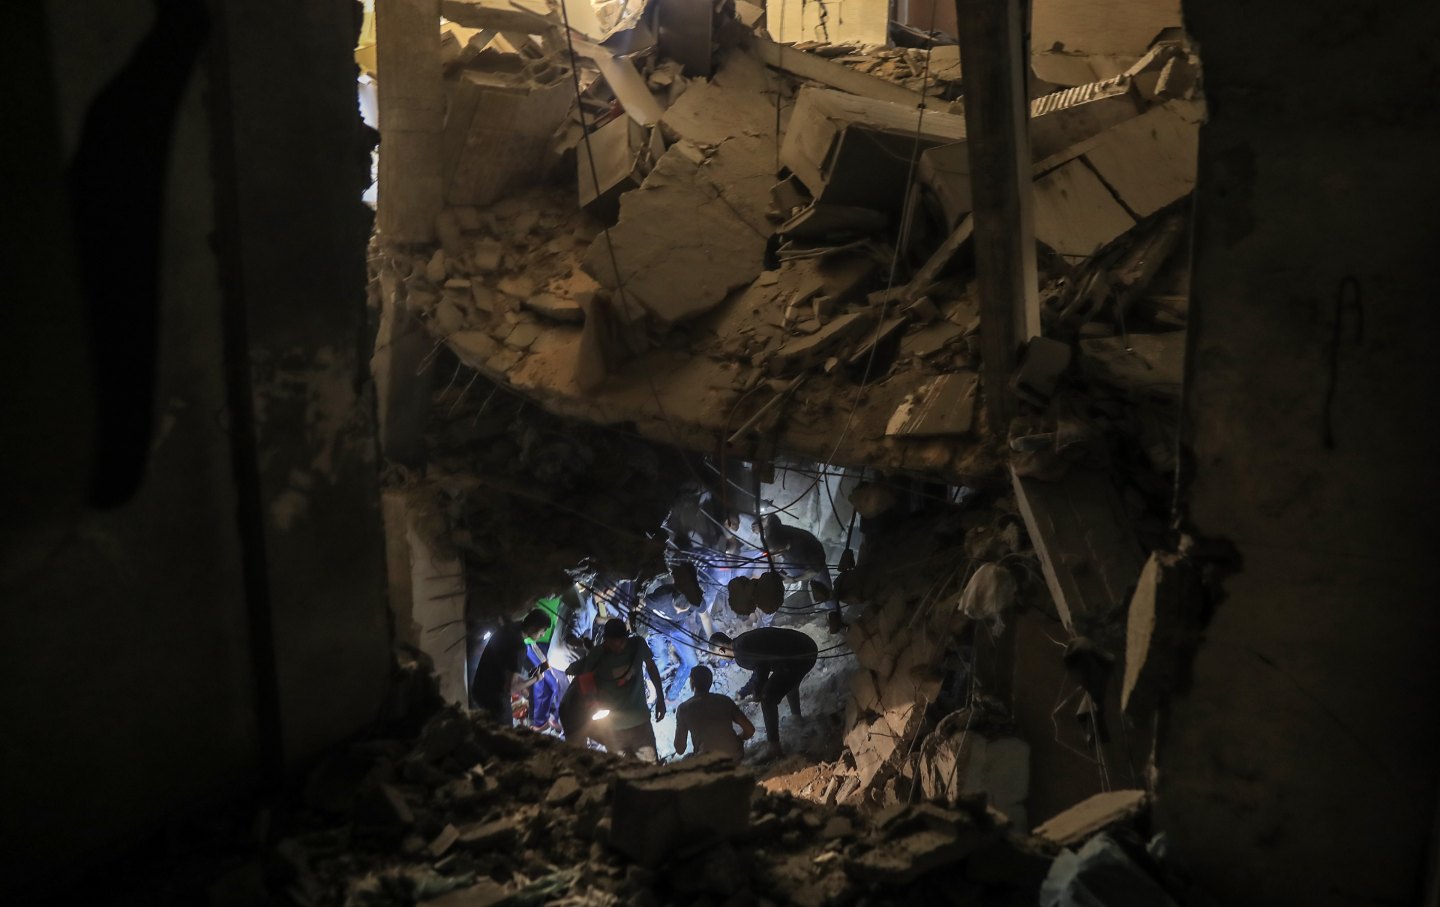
(621, 719)
(778, 659)
(501, 663)
(711, 718)
(798, 555)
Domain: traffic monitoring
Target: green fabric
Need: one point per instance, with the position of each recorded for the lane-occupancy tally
(551, 606)
(626, 701)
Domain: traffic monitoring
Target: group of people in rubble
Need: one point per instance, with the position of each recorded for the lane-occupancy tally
(605, 698)
(583, 670)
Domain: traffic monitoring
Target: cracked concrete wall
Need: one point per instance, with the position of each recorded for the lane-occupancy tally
(131, 692)
(1300, 765)
(126, 683)
(294, 253)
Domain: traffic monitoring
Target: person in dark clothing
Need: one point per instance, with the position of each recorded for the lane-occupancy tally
(798, 555)
(505, 658)
(778, 659)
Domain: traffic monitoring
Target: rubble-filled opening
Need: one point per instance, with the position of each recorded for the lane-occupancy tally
(647, 274)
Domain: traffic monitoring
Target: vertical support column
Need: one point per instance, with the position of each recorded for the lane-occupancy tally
(412, 119)
(993, 54)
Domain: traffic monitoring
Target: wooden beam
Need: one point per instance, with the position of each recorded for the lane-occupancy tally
(992, 58)
(412, 119)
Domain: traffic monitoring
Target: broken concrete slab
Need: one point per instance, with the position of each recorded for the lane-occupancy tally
(1044, 362)
(1092, 816)
(1064, 119)
(493, 15)
(499, 122)
(1075, 214)
(1142, 366)
(822, 220)
(800, 353)
(1086, 545)
(657, 811)
(618, 151)
(849, 150)
(677, 268)
(817, 69)
(1161, 625)
(942, 407)
(1150, 161)
(941, 258)
(738, 101)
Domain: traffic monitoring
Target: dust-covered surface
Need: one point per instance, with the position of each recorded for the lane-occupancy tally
(463, 814)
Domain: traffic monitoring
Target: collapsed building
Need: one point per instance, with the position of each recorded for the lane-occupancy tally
(652, 273)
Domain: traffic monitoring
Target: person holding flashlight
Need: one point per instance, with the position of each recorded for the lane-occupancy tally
(619, 665)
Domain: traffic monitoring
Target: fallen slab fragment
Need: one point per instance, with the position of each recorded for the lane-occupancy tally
(818, 69)
(800, 353)
(1150, 161)
(1160, 627)
(1075, 214)
(1063, 119)
(658, 811)
(680, 246)
(1086, 545)
(499, 123)
(1045, 361)
(941, 258)
(617, 150)
(1142, 366)
(850, 150)
(1092, 816)
(494, 15)
(943, 407)
(738, 101)
(863, 22)
(820, 220)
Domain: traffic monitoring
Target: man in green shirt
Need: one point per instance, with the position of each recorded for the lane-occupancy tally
(619, 665)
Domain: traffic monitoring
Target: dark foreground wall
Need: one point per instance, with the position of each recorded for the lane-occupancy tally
(192, 573)
(1301, 766)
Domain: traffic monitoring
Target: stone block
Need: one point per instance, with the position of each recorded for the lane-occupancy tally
(657, 811)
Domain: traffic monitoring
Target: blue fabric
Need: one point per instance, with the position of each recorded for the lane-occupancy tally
(685, 654)
(544, 695)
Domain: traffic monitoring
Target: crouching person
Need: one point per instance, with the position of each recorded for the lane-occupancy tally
(778, 659)
(711, 718)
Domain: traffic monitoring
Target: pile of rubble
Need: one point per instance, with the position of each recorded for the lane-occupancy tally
(466, 815)
(779, 231)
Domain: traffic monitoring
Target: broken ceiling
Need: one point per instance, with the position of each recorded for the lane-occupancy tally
(771, 257)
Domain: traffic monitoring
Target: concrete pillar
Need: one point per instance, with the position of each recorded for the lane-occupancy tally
(412, 119)
(1300, 764)
(993, 57)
